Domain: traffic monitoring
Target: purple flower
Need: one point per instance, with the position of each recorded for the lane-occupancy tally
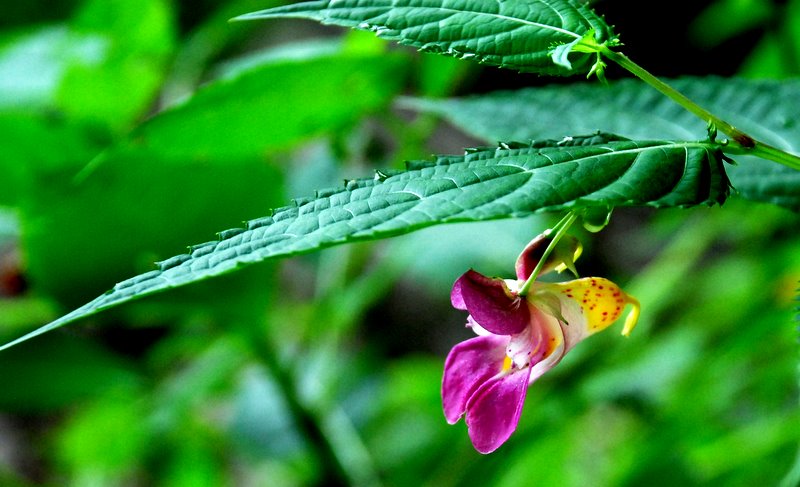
(519, 339)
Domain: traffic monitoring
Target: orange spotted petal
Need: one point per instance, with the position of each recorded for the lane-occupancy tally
(600, 302)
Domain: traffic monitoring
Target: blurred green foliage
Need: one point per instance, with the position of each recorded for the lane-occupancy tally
(131, 128)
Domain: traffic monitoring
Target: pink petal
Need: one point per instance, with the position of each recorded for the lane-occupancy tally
(492, 305)
(467, 367)
(455, 295)
(494, 409)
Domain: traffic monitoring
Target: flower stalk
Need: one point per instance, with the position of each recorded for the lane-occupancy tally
(744, 143)
(560, 230)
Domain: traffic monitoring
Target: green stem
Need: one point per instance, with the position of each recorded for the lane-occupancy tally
(774, 154)
(745, 143)
(560, 230)
(334, 473)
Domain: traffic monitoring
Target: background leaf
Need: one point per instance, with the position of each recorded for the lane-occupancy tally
(62, 370)
(517, 34)
(273, 102)
(215, 143)
(763, 108)
(518, 180)
(80, 68)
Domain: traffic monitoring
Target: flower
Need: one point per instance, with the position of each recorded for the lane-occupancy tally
(520, 338)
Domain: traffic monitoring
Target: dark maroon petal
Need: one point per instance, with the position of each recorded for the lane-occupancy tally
(455, 295)
(493, 411)
(532, 254)
(492, 305)
(467, 367)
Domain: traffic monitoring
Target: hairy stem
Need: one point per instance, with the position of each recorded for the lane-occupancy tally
(744, 143)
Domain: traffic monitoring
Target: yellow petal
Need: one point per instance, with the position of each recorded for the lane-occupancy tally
(601, 302)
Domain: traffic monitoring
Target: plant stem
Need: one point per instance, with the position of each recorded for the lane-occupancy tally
(774, 154)
(560, 230)
(333, 472)
(745, 144)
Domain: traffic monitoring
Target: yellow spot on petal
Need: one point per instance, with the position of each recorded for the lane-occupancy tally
(601, 302)
(507, 364)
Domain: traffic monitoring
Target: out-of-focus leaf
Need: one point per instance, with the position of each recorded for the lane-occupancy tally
(272, 105)
(34, 11)
(764, 109)
(105, 442)
(439, 76)
(33, 65)
(708, 30)
(484, 184)
(59, 371)
(133, 209)
(31, 144)
(517, 34)
(139, 39)
(214, 36)
(776, 55)
(408, 434)
(212, 145)
(103, 67)
(194, 460)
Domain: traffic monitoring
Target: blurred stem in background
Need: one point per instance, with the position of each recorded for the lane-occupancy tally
(332, 471)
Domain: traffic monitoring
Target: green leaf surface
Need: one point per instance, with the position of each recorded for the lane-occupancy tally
(213, 37)
(484, 184)
(130, 211)
(216, 143)
(36, 143)
(81, 68)
(33, 64)
(59, 371)
(765, 109)
(273, 104)
(139, 38)
(516, 34)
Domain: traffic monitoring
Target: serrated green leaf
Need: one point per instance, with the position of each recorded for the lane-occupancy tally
(213, 143)
(516, 34)
(484, 184)
(765, 109)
